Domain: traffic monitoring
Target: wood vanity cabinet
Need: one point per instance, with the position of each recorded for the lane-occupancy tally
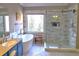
(6, 54)
(18, 48)
(14, 48)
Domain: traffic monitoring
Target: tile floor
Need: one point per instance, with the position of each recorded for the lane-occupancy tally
(38, 50)
(35, 50)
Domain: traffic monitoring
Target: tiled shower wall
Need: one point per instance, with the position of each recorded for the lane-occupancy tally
(73, 28)
(57, 36)
(63, 36)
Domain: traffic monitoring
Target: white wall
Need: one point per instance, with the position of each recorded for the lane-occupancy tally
(12, 9)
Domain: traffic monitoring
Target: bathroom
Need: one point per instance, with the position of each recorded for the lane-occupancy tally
(55, 29)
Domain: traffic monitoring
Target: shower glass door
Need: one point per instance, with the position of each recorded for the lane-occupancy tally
(58, 28)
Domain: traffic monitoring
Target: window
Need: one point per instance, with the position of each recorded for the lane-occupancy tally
(6, 23)
(35, 23)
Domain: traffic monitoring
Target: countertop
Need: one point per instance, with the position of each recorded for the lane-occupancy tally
(10, 44)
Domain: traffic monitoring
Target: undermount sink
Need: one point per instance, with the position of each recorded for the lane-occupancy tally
(9, 43)
(4, 44)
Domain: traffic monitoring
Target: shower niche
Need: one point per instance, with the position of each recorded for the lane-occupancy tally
(55, 24)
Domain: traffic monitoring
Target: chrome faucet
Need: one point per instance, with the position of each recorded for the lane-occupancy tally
(4, 38)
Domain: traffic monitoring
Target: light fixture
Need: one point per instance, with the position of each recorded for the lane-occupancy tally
(55, 17)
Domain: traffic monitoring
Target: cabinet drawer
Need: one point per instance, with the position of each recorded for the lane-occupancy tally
(14, 48)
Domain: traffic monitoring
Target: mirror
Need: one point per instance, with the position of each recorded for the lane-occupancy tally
(4, 21)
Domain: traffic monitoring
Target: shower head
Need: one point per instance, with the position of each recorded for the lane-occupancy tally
(73, 10)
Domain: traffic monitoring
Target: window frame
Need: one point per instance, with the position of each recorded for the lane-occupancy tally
(5, 24)
(43, 22)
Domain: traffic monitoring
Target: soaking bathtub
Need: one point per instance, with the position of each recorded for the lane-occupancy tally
(27, 40)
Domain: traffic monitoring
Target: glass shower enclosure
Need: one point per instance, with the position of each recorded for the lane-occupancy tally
(60, 29)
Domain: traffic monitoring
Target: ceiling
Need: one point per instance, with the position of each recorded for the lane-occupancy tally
(42, 4)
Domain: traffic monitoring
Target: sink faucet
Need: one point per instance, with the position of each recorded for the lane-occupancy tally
(4, 38)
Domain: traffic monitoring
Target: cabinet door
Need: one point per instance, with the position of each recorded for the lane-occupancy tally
(14, 48)
(5, 54)
(20, 49)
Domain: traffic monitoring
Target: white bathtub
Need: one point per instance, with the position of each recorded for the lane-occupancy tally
(27, 40)
(26, 37)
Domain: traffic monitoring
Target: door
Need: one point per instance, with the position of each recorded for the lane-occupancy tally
(53, 29)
